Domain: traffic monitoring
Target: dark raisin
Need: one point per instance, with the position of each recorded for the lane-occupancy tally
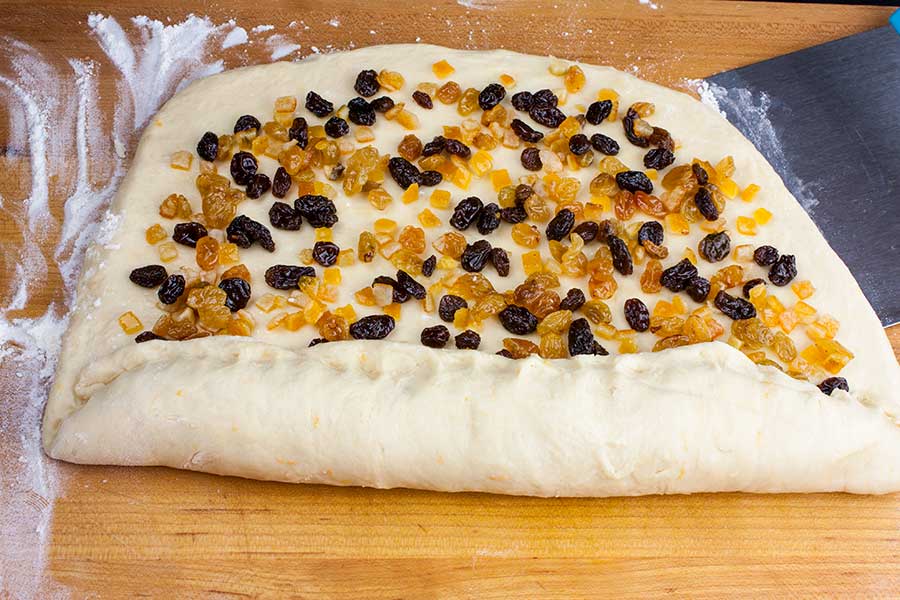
(546, 115)
(628, 124)
(435, 337)
(784, 270)
(560, 225)
(531, 159)
(523, 193)
(281, 183)
(319, 211)
(637, 315)
(660, 137)
(634, 181)
(588, 231)
(700, 174)
(243, 231)
(620, 255)
(597, 112)
(299, 131)
(579, 144)
(316, 342)
(513, 214)
(448, 306)
(259, 185)
(188, 233)
(318, 105)
(149, 276)
(382, 104)
(457, 148)
(468, 340)
(466, 212)
(525, 132)
(247, 122)
(373, 327)
(518, 320)
(336, 127)
(677, 277)
(715, 246)
(765, 256)
(400, 295)
(243, 167)
(147, 336)
(736, 309)
(488, 219)
(545, 97)
(325, 253)
(475, 256)
(658, 158)
(237, 293)
(491, 96)
(367, 83)
(653, 231)
(335, 172)
(430, 178)
(599, 350)
(360, 112)
(208, 146)
(286, 277)
(410, 285)
(608, 227)
(581, 339)
(706, 206)
(435, 146)
(500, 260)
(750, 285)
(505, 354)
(604, 144)
(428, 265)
(573, 301)
(171, 289)
(423, 99)
(522, 101)
(833, 383)
(698, 289)
(284, 216)
(404, 172)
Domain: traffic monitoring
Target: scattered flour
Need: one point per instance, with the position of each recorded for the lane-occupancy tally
(235, 37)
(262, 28)
(280, 46)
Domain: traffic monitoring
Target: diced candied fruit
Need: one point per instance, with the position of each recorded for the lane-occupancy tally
(442, 69)
(379, 198)
(129, 323)
(412, 238)
(574, 79)
(181, 160)
(806, 314)
(749, 192)
(428, 219)
(286, 104)
(155, 233)
(628, 346)
(323, 234)
(390, 80)
(332, 276)
(746, 225)
(439, 199)
(481, 162)
(775, 304)
(410, 194)
(762, 216)
(788, 320)
(500, 179)
(450, 244)
(175, 206)
(532, 262)
(461, 178)
(834, 355)
(677, 225)
(168, 251)
(803, 289)
(728, 187)
(229, 253)
(743, 253)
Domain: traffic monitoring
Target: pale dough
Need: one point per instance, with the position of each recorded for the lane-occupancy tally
(387, 414)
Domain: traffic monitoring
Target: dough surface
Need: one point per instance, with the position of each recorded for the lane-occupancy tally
(394, 413)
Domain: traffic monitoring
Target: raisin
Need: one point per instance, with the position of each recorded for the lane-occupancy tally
(410, 285)
(573, 301)
(637, 315)
(546, 115)
(628, 124)
(243, 167)
(491, 96)
(765, 256)
(367, 83)
(833, 383)
(399, 295)
(750, 285)
(457, 148)
(428, 265)
(208, 146)
(237, 292)
(677, 277)
(318, 105)
(525, 132)
(522, 101)
(706, 206)
(299, 131)
(316, 342)
(531, 159)
(715, 246)
(466, 212)
(360, 112)
(373, 327)
(448, 306)
(587, 231)
(475, 256)
(281, 183)
(505, 353)
(146, 336)
(737, 309)
(488, 219)
(517, 320)
(286, 277)
(660, 137)
(581, 339)
(243, 231)
(652, 231)
(523, 193)
(382, 104)
(247, 122)
(171, 289)
(604, 144)
(513, 214)
(430, 178)
(187, 234)
(284, 216)
(259, 185)
(500, 260)
(698, 289)
(579, 144)
(620, 255)
(325, 253)
(560, 226)
(468, 340)
(319, 211)
(545, 97)
(634, 181)
(149, 276)
(608, 227)
(700, 174)
(435, 146)
(336, 127)
(435, 337)
(404, 172)
(784, 270)
(597, 112)
(658, 158)
(335, 172)
(423, 99)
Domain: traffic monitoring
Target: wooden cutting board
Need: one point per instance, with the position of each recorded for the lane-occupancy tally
(120, 532)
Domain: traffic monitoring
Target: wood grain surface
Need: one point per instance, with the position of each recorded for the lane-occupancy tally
(120, 532)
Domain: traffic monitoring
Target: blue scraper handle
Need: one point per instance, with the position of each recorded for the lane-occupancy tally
(895, 20)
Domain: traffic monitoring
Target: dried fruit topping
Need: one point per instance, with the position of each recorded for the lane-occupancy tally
(750, 285)
(466, 212)
(336, 127)
(259, 185)
(435, 337)
(319, 211)
(435, 146)
(491, 96)
(284, 216)
(488, 219)
(448, 306)
(597, 112)
(147, 336)
(244, 231)
(430, 178)
(698, 289)
(579, 144)
(410, 147)
(404, 172)
(325, 253)
(677, 277)
(316, 342)
(715, 246)
(525, 132)
(833, 383)
(410, 285)
(621, 257)
(629, 121)
(382, 104)
(500, 260)
(651, 231)
(581, 339)
(247, 122)
(658, 158)
(207, 253)
(457, 148)
(171, 289)
(360, 112)
(208, 146)
(546, 114)
(513, 214)
(587, 231)
(318, 105)
(281, 183)
(704, 202)
(637, 315)
(243, 167)
(634, 181)
(468, 340)
(366, 84)
(573, 301)
(518, 320)
(237, 291)
(531, 159)
(604, 144)
(187, 234)
(522, 101)
(423, 99)
(476, 256)
(149, 276)
(736, 309)
(286, 277)
(299, 131)
(765, 256)
(783, 270)
(561, 225)
(373, 327)
(700, 174)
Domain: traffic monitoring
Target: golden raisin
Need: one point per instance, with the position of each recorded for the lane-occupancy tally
(650, 278)
(413, 239)
(520, 348)
(450, 244)
(468, 102)
(207, 253)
